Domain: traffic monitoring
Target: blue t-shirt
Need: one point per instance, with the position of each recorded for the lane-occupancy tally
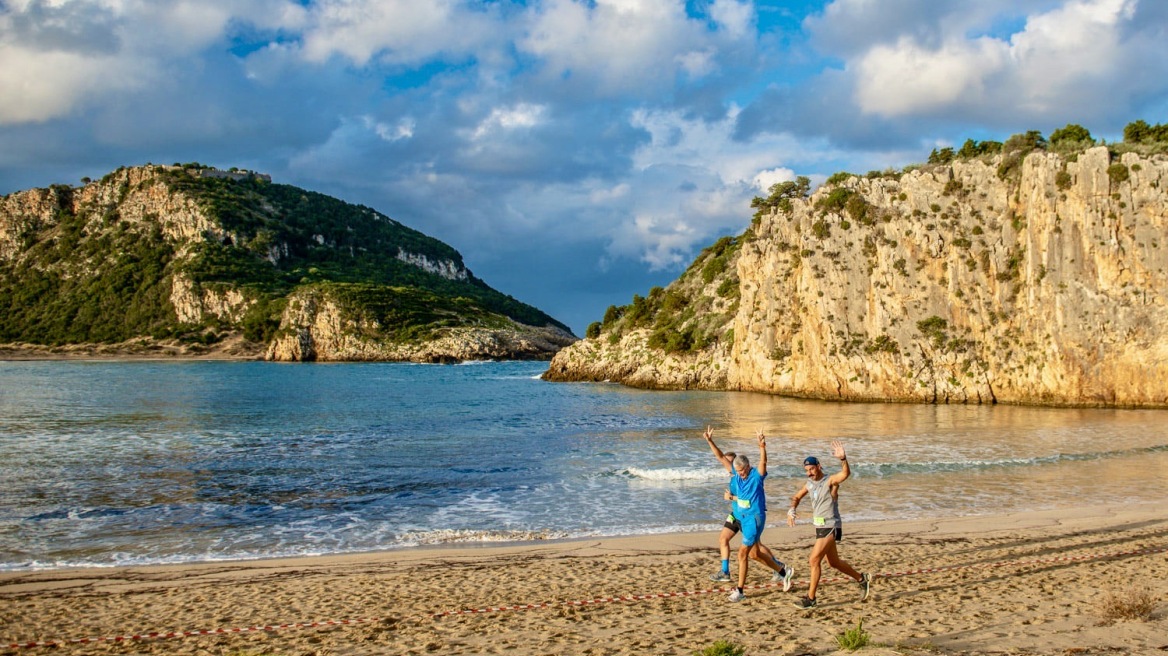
(751, 496)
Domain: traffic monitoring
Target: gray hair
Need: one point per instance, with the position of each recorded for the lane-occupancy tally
(741, 462)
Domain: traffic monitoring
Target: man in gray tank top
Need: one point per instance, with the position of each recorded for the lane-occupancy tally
(824, 493)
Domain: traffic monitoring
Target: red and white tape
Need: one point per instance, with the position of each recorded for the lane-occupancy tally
(551, 604)
(187, 634)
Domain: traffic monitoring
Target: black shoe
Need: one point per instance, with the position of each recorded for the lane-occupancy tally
(806, 602)
(865, 584)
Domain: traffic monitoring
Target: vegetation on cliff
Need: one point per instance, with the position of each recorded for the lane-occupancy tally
(71, 286)
(691, 314)
(193, 254)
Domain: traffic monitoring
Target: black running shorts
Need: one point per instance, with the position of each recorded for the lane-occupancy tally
(828, 530)
(732, 523)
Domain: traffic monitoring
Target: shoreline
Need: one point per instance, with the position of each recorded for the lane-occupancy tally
(237, 351)
(234, 348)
(1021, 583)
(776, 531)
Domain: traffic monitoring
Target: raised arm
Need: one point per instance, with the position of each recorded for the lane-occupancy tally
(709, 435)
(837, 450)
(761, 454)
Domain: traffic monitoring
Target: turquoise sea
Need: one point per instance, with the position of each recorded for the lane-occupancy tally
(115, 463)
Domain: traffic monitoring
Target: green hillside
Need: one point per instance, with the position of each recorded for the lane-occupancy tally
(101, 263)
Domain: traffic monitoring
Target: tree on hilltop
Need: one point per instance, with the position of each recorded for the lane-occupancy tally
(1072, 133)
(1140, 132)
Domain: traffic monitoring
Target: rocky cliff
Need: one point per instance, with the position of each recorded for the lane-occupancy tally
(1041, 279)
(324, 323)
(181, 260)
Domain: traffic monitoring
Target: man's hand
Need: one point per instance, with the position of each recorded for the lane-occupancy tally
(709, 435)
(837, 450)
(761, 440)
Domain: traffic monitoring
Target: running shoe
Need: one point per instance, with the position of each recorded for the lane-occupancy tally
(720, 576)
(790, 574)
(865, 584)
(737, 595)
(806, 602)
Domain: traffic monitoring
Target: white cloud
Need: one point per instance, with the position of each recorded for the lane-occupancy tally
(189, 26)
(849, 28)
(906, 78)
(691, 181)
(686, 184)
(1067, 52)
(176, 27)
(679, 140)
(522, 115)
(1060, 57)
(609, 194)
(767, 179)
(394, 31)
(663, 242)
(616, 45)
(39, 86)
(697, 64)
(735, 18)
(403, 129)
(53, 57)
(56, 57)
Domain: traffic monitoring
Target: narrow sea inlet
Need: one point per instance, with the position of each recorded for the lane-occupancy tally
(116, 463)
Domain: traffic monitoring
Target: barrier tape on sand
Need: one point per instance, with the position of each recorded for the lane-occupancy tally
(551, 604)
(188, 634)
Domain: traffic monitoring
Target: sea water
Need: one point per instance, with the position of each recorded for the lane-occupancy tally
(115, 463)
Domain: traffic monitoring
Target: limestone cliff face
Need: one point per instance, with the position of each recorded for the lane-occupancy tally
(194, 303)
(134, 197)
(137, 194)
(318, 326)
(632, 362)
(943, 284)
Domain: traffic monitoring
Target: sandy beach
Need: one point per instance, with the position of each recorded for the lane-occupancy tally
(233, 347)
(1032, 583)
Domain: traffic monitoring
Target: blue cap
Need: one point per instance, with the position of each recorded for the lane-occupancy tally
(811, 460)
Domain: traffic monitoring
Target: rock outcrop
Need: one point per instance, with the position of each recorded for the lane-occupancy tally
(966, 282)
(318, 326)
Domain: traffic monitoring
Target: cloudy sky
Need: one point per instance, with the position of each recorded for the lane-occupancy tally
(576, 152)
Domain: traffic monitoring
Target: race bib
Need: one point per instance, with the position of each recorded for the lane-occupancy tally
(744, 503)
(819, 521)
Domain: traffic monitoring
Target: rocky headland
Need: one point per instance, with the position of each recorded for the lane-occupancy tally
(187, 261)
(1025, 276)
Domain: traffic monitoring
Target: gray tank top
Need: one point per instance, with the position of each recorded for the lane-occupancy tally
(824, 507)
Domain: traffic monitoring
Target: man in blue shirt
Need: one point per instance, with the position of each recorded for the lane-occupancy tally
(749, 499)
(782, 573)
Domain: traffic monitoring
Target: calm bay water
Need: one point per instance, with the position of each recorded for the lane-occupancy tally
(146, 462)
